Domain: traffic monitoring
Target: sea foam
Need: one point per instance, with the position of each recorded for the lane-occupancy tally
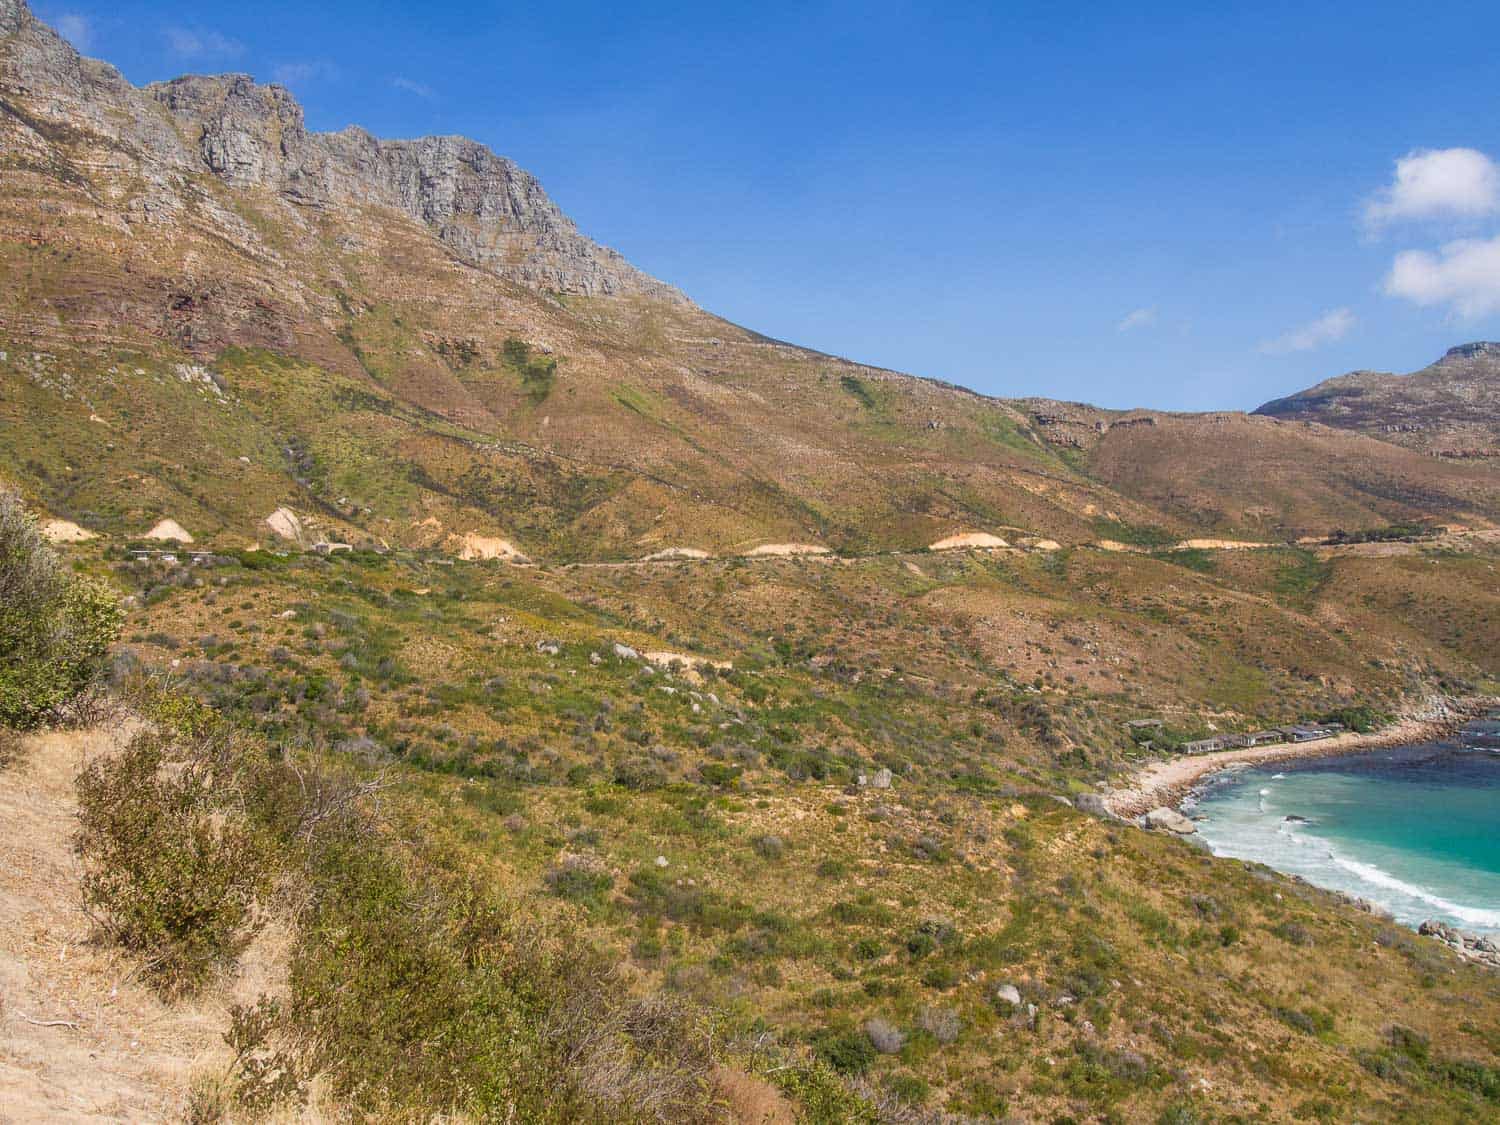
(1473, 915)
(1251, 820)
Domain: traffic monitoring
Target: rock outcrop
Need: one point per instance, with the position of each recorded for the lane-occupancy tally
(169, 531)
(286, 524)
(1471, 947)
(969, 541)
(490, 213)
(1168, 820)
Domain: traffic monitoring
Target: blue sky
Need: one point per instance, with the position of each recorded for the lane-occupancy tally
(1160, 205)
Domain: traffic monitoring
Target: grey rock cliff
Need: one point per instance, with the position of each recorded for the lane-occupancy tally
(12, 13)
(491, 213)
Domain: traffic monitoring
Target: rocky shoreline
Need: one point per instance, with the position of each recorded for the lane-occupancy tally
(1165, 785)
(1154, 801)
(1471, 947)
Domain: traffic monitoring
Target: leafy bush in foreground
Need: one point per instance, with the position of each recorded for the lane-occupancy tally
(169, 875)
(54, 627)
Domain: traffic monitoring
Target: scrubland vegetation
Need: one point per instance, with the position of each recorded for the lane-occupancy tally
(526, 873)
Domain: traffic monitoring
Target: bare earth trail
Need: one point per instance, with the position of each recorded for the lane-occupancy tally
(686, 556)
(1165, 783)
(80, 1039)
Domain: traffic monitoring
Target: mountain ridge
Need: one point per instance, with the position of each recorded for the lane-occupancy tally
(1450, 408)
(492, 213)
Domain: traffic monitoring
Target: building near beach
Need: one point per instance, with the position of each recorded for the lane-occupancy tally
(1308, 733)
(1265, 737)
(1206, 745)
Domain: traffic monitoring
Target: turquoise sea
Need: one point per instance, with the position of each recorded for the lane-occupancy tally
(1415, 829)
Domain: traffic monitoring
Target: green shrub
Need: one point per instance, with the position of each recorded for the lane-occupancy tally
(55, 628)
(1362, 719)
(719, 775)
(1478, 1078)
(1411, 1043)
(981, 1099)
(907, 1087)
(1180, 1113)
(640, 774)
(868, 948)
(420, 996)
(580, 879)
(171, 872)
(262, 1075)
(941, 977)
(1293, 932)
(1309, 1021)
(538, 373)
(769, 847)
(858, 390)
(822, 1097)
(848, 1052)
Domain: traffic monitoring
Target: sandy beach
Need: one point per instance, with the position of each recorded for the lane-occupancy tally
(1167, 782)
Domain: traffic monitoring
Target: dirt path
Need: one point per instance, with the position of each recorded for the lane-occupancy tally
(1165, 783)
(80, 1040)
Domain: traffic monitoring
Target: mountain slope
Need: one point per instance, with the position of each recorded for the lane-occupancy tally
(141, 230)
(1451, 408)
(1259, 477)
(409, 342)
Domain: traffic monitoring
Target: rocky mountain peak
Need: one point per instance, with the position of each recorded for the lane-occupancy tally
(491, 213)
(1447, 409)
(247, 131)
(1480, 349)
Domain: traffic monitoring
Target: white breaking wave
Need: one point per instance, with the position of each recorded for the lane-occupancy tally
(1252, 828)
(1473, 915)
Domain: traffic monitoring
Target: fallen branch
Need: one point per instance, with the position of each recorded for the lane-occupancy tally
(49, 1023)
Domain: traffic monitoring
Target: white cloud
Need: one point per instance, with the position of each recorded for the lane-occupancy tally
(420, 89)
(1464, 275)
(301, 73)
(1446, 183)
(1139, 318)
(192, 43)
(1332, 325)
(76, 29)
